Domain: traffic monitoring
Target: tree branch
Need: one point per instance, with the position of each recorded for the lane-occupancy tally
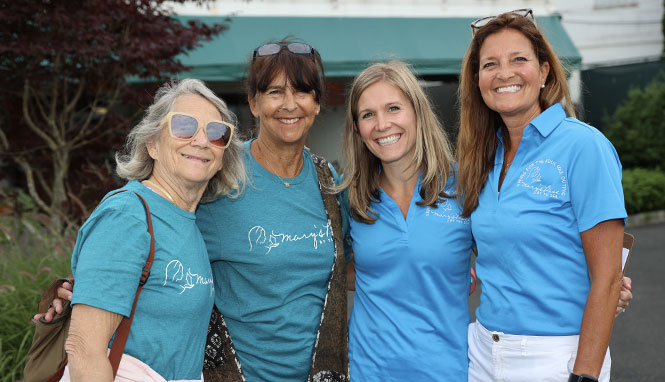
(27, 169)
(28, 119)
(72, 104)
(79, 203)
(44, 185)
(3, 139)
(68, 113)
(83, 133)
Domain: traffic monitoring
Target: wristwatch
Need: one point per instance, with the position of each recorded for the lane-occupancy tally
(582, 378)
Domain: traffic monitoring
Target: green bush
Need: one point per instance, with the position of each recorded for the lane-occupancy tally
(31, 256)
(643, 190)
(637, 128)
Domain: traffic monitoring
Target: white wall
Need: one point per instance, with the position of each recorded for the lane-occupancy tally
(364, 8)
(614, 32)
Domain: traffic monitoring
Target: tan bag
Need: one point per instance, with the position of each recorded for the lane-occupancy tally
(47, 353)
(46, 359)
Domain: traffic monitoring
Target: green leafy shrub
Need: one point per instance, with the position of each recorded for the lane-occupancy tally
(637, 128)
(32, 255)
(643, 190)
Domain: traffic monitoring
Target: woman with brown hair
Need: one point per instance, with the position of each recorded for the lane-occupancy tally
(544, 194)
(276, 251)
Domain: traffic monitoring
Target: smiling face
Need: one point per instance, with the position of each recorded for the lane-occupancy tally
(285, 114)
(386, 123)
(188, 162)
(510, 76)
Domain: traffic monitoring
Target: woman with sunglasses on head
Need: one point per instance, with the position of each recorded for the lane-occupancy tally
(544, 194)
(181, 152)
(411, 248)
(279, 268)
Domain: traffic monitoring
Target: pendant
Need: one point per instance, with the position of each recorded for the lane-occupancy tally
(287, 185)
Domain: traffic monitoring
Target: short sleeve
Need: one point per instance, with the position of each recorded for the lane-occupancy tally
(110, 253)
(596, 193)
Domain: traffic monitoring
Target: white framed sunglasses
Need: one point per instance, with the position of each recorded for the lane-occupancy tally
(184, 127)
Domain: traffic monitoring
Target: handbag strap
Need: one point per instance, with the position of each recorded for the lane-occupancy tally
(122, 333)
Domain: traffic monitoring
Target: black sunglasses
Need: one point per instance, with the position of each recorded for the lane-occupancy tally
(525, 12)
(274, 48)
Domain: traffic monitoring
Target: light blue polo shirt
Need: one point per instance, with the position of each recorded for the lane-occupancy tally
(410, 310)
(271, 252)
(565, 179)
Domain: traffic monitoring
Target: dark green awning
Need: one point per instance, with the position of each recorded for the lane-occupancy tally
(434, 46)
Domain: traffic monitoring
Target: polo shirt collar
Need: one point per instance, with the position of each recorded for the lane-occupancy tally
(549, 119)
(545, 122)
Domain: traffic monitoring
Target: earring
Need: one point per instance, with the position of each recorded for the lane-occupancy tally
(542, 86)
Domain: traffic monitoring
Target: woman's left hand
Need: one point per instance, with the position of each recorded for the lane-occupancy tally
(625, 296)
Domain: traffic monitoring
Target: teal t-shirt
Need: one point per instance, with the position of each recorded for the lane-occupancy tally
(171, 319)
(271, 251)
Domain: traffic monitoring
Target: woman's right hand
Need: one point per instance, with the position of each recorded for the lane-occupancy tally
(64, 294)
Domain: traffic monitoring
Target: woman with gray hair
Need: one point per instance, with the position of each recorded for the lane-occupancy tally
(183, 151)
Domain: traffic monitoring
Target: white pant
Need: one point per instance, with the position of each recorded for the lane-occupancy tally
(499, 357)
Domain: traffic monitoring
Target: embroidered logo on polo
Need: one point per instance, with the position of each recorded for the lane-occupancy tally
(445, 210)
(260, 238)
(544, 177)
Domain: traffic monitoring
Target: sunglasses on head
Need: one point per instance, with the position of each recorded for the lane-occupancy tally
(525, 12)
(184, 126)
(274, 48)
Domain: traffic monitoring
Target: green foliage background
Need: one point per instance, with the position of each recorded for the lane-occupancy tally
(637, 131)
(637, 128)
(32, 255)
(643, 190)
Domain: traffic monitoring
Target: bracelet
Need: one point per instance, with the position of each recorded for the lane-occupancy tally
(582, 378)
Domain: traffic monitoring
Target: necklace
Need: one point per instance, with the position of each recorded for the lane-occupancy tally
(152, 185)
(265, 158)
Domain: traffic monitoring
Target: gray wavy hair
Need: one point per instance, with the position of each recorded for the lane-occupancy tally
(134, 162)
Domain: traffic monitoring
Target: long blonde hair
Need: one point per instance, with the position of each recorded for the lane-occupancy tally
(477, 140)
(432, 156)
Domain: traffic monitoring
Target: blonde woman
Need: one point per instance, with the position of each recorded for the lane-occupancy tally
(411, 248)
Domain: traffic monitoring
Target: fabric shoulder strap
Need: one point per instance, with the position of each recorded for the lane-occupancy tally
(122, 333)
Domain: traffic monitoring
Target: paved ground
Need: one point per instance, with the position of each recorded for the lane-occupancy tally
(638, 341)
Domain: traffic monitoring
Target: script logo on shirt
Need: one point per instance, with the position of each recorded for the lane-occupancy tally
(445, 210)
(259, 238)
(174, 272)
(544, 177)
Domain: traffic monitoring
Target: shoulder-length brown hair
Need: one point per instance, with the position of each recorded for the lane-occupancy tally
(432, 156)
(477, 140)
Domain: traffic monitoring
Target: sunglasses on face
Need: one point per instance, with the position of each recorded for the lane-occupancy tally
(525, 12)
(184, 126)
(274, 48)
